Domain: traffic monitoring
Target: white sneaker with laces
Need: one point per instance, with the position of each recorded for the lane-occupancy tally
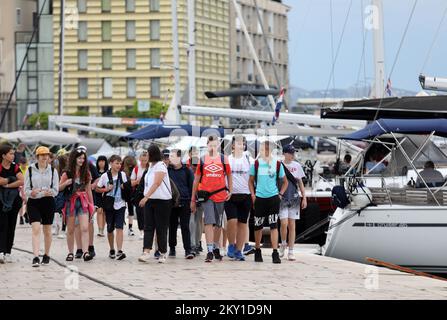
(8, 258)
(162, 258)
(130, 233)
(144, 257)
(282, 249)
(291, 256)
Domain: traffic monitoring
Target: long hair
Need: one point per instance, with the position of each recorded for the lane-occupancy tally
(84, 170)
(4, 149)
(129, 163)
(106, 165)
(154, 153)
(62, 162)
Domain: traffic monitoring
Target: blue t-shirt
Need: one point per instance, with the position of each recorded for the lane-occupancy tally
(266, 183)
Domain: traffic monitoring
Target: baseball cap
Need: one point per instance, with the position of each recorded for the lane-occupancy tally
(42, 150)
(288, 148)
(166, 152)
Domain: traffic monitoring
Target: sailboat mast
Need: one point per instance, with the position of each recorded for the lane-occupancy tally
(61, 59)
(378, 44)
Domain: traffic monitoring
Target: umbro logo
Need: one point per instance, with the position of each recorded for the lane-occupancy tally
(213, 168)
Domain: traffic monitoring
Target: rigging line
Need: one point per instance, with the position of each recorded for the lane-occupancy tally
(362, 57)
(338, 50)
(434, 40)
(397, 55)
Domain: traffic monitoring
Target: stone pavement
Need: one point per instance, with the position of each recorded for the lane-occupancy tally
(310, 277)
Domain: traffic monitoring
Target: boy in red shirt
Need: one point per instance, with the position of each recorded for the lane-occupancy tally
(213, 173)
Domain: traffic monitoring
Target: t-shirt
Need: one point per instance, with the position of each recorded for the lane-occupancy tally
(139, 174)
(11, 172)
(213, 177)
(266, 186)
(431, 176)
(104, 181)
(240, 170)
(163, 191)
(297, 171)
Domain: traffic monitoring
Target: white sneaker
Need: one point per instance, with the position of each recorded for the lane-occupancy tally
(141, 236)
(7, 258)
(162, 258)
(144, 257)
(130, 233)
(291, 256)
(282, 249)
(223, 252)
(61, 236)
(2, 258)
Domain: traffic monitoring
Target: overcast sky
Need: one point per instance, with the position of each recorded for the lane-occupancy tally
(310, 42)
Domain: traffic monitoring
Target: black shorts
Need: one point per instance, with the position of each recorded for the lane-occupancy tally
(266, 208)
(41, 210)
(130, 209)
(98, 199)
(238, 207)
(115, 219)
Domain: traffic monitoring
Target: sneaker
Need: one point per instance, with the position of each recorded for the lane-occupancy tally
(112, 254)
(61, 236)
(200, 247)
(144, 257)
(189, 255)
(238, 256)
(2, 258)
(223, 252)
(196, 251)
(291, 256)
(282, 249)
(209, 257)
(231, 251)
(248, 249)
(141, 236)
(162, 258)
(157, 254)
(275, 257)
(171, 253)
(92, 252)
(101, 234)
(258, 255)
(78, 254)
(130, 233)
(217, 255)
(87, 256)
(45, 259)
(121, 255)
(7, 258)
(22, 221)
(36, 262)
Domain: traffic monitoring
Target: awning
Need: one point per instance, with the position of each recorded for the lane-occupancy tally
(163, 131)
(428, 107)
(33, 137)
(402, 126)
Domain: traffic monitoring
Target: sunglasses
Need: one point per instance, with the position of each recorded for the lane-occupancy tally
(81, 149)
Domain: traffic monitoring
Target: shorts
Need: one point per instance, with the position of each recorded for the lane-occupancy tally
(289, 211)
(115, 219)
(98, 199)
(238, 207)
(130, 209)
(213, 212)
(41, 210)
(78, 211)
(266, 208)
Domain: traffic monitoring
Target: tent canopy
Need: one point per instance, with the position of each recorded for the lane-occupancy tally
(418, 107)
(403, 126)
(162, 131)
(33, 137)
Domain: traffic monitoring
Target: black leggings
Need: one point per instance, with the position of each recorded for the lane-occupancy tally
(184, 213)
(8, 221)
(140, 217)
(156, 219)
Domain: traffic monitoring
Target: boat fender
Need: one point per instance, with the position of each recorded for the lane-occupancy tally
(339, 197)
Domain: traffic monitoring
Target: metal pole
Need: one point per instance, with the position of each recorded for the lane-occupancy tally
(191, 56)
(176, 56)
(61, 59)
(379, 56)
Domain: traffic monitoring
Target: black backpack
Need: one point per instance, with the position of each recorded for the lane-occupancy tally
(339, 197)
(138, 194)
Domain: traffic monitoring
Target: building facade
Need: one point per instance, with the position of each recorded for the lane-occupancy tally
(118, 52)
(244, 73)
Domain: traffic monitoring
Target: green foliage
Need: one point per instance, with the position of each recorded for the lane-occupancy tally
(154, 112)
(38, 121)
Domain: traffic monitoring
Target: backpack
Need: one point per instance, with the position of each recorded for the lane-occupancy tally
(339, 197)
(138, 193)
(175, 194)
(278, 169)
(290, 177)
(126, 192)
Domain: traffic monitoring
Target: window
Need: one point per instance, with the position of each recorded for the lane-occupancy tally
(130, 30)
(82, 6)
(107, 88)
(131, 87)
(107, 59)
(155, 87)
(106, 30)
(82, 59)
(155, 29)
(18, 16)
(105, 5)
(130, 5)
(83, 88)
(107, 111)
(131, 58)
(154, 5)
(155, 58)
(82, 31)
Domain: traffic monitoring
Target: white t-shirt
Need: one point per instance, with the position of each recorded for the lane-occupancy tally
(137, 176)
(104, 181)
(163, 192)
(240, 170)
(295, 169)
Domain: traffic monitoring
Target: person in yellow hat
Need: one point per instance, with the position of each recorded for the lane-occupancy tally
(41, 186)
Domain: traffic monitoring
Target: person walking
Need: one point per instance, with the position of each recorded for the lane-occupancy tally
(102, 166)
(129, 163)
(11, 178)
(157, 203)
(138, 174)
(41, 187)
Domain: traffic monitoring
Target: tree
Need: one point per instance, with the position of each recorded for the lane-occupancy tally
(155, 111)
(38, 121)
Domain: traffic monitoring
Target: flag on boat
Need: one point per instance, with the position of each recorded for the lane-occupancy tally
(388, 87)
(278, 105)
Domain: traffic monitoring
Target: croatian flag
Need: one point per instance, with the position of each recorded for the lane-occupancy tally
(278, 105)
(388, 87)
